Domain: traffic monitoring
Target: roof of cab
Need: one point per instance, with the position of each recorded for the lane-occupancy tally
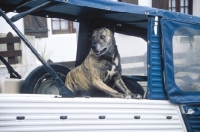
(76, 10)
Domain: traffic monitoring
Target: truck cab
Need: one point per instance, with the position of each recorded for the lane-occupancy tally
(159, 50)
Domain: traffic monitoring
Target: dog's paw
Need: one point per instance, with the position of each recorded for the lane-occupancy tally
(136, 96)
(118, 95)
(127, 96)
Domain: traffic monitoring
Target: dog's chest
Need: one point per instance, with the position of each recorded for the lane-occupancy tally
(113, 70)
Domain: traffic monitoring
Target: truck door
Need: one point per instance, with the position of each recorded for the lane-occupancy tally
(181, 53)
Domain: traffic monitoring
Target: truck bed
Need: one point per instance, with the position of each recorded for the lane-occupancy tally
(48, 113)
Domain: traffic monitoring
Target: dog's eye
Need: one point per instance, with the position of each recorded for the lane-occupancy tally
(103, 36)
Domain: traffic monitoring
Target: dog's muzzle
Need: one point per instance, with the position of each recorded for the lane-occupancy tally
(96, 49)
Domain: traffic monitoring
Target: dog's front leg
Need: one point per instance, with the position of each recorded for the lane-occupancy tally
(120, 84)
(103, 87)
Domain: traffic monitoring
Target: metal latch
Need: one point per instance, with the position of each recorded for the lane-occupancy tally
(190, 112)
(156, 25)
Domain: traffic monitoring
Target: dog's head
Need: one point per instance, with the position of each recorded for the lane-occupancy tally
(102, 40)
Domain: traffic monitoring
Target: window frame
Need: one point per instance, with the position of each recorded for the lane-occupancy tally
(175, 94)
(71, 28)
(178, 6)
(164, 4)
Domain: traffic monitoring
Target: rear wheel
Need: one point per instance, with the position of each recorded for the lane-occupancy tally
(39, 81)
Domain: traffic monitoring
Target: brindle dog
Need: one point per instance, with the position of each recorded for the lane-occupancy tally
(100, 66)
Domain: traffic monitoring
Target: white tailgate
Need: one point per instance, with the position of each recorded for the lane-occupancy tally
(42, 113)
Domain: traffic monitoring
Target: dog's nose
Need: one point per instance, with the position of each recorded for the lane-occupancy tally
(95, 47)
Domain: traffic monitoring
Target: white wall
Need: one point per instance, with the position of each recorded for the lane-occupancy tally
(145, 3)
(196, 9)
(5, 28)
(59, 47)
(27, 64)
(142, 2)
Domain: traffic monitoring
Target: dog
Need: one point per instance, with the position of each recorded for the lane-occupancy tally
(101, 66)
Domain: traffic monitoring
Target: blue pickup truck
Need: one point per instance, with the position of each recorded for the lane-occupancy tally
(164, 59)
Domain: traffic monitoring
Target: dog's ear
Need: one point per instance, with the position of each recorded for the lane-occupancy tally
(110, 26)
(89, 34)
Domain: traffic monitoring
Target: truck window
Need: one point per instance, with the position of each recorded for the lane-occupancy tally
(133, 54)
(186, 57)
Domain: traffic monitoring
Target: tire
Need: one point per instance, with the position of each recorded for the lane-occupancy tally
(39, 80)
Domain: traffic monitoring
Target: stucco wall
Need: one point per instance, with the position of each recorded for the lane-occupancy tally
(25, 66)
(5, 28)
(58, 48)
(142, 2)
(145, 3)
(196, 9)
